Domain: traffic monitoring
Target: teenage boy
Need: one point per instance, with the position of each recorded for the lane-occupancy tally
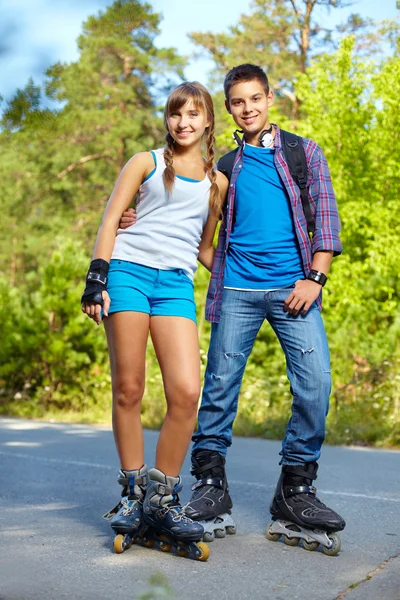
(267, 267)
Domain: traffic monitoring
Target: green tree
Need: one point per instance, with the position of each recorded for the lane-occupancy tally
(61, 164)
(58, 168)
(280, 36)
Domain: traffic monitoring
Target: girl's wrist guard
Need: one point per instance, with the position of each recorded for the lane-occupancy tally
(96, 281)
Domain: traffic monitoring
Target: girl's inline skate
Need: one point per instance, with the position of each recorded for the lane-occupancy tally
(165, 522)
(210, 503)
(127, 516)
(298, 514)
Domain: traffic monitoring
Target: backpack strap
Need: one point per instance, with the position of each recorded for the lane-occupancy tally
(295, 156)
(226, 162)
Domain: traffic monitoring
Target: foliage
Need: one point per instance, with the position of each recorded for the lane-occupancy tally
(59, 165)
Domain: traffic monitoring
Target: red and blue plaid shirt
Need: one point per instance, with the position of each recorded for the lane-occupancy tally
(323, 207)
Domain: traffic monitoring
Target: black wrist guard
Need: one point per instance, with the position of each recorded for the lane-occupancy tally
(96, 281)
(318, 277)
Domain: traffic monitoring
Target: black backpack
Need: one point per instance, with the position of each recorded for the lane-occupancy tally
(295, 156)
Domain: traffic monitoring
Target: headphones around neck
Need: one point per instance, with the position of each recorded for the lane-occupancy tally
(265, 138)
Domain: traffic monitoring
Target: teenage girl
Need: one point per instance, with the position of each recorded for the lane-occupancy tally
(142, 279)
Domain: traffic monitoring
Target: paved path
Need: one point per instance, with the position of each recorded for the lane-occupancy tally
(57, 479)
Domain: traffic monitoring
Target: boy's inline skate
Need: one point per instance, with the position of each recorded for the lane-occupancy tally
(165, 522)
(127, 516)
(210, 503)
(298, 514)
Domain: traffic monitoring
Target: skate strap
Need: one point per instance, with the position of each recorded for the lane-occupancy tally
(130, 480)
(293, 490)
(175, 491)
(308, 471)
(219, 483)
(217, 461)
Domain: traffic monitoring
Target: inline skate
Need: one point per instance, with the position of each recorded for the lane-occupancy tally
(127, 516)
(165, 522)
(210, 503)
(298, 514)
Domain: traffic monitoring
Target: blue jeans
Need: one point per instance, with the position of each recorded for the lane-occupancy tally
(304, 343)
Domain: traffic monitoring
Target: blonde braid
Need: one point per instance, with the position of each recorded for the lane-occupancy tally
(215, 203)
(169, 173)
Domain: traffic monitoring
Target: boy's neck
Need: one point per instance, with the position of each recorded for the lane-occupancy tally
(252, 138)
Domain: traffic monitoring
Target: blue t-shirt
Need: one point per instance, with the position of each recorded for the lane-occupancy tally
(263, 251)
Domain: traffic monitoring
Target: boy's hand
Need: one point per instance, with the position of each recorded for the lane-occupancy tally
(302, 297)
(127, 219)
(93, 310)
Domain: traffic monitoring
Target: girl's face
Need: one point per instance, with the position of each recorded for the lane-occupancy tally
(187, 124)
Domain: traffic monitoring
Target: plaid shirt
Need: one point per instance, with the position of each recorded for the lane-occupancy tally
(323, 207)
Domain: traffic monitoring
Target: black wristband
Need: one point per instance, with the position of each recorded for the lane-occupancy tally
(100, 267)
(318, 277)
(96, 281)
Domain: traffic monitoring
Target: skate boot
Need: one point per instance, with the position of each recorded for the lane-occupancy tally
(165, 521)
(127, 517)
(210, 503)
(297, 512)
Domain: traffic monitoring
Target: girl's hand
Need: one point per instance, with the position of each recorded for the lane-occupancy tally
(301, 298)
(127, 219)
(93, 310)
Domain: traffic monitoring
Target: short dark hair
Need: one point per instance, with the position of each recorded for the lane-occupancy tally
(246, 72)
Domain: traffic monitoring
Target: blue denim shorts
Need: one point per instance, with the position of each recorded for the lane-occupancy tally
(157, 292)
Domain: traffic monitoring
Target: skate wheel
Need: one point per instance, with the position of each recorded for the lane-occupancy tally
(148, 543)
(336, 545)
(220, 533)
(203, 552)
(209, 536)
(291, 541)
(119, 545)
(272, 537)
(311, 546)
(231, 529)
(164, 546)
(182, 552)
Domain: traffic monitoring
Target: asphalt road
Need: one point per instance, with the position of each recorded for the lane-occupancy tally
(56, 480)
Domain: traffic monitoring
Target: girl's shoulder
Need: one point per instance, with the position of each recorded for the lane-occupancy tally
(143, 160)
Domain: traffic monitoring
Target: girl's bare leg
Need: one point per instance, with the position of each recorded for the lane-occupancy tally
(176, 344)
(127, 334)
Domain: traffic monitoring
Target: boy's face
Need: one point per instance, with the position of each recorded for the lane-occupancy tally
(248, 104)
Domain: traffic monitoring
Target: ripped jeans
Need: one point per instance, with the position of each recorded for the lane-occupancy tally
(304, 343)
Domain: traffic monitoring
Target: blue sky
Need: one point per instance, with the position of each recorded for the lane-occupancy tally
(37, 33)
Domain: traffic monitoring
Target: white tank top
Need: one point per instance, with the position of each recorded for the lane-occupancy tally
(168, 229)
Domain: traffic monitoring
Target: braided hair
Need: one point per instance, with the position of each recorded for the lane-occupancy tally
(196, 92)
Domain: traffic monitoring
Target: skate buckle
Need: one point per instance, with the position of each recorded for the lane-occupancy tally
(111, 513)
(294, 490)
(210, 481)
